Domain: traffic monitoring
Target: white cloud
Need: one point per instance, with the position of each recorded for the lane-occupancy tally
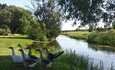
(67, 25)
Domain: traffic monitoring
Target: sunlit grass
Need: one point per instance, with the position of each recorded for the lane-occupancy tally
(78, 34)
(5, 42)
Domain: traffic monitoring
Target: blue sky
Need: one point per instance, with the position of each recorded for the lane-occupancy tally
(23, 3)
(20, 3)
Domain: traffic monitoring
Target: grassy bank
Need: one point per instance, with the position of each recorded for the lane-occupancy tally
(68, 61)
(78, 34)
(102, 38)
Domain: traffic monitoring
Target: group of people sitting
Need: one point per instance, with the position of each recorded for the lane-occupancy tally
(30, 60)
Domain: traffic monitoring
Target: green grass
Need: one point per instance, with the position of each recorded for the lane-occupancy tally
(78, 34)
(68, 61)
(6, 41)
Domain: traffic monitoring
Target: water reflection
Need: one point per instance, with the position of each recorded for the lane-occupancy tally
(52, 46)
(106, 49)
(96, 52)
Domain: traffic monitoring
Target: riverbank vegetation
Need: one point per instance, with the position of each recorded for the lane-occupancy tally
(104, 38)
(98, 37)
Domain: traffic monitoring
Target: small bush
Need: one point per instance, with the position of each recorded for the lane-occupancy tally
(2, 31)
(5, 30)
(36, 33)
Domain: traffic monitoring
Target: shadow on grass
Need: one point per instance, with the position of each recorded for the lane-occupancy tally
(6, 63)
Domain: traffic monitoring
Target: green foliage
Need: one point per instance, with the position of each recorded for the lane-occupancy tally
(113, 24)
(106, 38)
(99, 37)
(88, 11)
(48, 16)
(2, 31)
(35, 33)
(17, 19)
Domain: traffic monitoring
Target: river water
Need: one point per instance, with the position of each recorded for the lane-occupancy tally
(106, 56)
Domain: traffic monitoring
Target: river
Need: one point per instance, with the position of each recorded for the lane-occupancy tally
(107, 57)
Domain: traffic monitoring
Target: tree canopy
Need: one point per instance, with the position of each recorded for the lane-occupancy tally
(89, 12)
(49, 17)
(17, 19)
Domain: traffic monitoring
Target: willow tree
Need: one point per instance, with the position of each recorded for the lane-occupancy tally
(48, 16)
(89, 12)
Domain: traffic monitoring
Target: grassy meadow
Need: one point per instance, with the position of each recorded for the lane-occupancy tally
(78, 34)
(68, 61)
(6, 41)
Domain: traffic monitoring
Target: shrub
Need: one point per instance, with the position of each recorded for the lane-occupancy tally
(92, 37)
(35, 33)
(2, 31)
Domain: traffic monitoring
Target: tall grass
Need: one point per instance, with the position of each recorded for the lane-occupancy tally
(104, 38)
